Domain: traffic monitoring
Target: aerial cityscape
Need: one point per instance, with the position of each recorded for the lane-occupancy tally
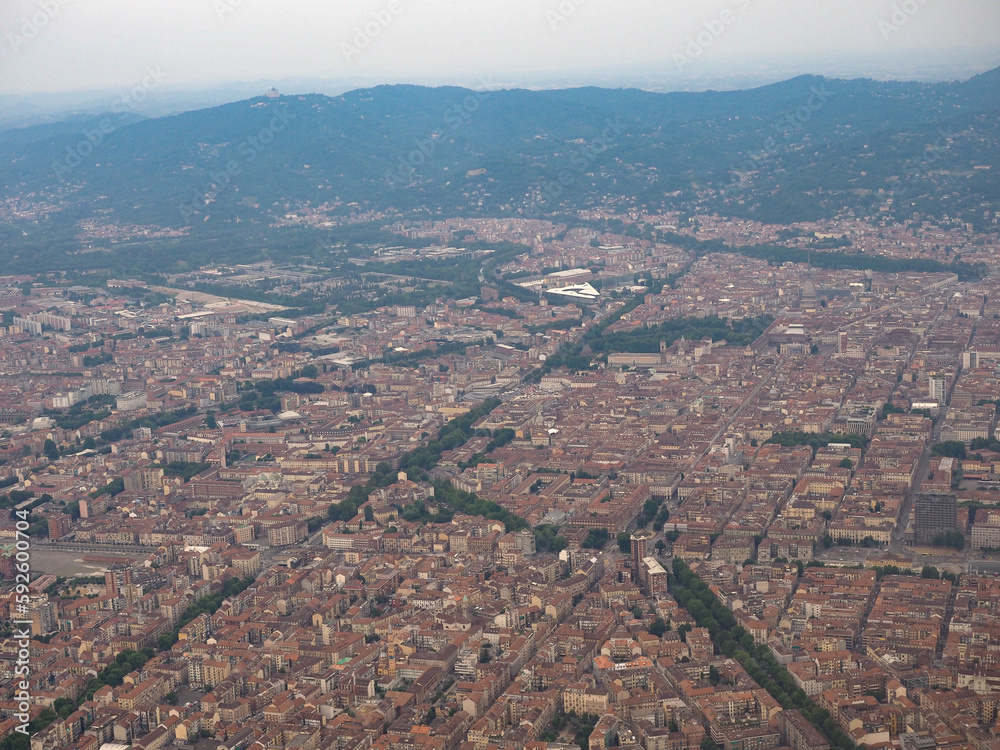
(500, 417)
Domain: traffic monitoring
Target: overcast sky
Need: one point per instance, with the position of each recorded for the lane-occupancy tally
(72, 45)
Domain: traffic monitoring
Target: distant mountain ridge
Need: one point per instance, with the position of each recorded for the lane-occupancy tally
(799, 149)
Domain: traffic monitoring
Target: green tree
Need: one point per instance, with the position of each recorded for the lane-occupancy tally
(547, 539)
(595, 539)
(624, 542)
(64, 707)
(953, 538)
(658, 627)
(50, 449)
(949, 448)
(817, 440)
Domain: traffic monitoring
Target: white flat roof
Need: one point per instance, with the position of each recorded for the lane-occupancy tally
(576, 291)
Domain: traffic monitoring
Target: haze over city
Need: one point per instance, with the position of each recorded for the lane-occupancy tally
(65, 46)
(516, 375)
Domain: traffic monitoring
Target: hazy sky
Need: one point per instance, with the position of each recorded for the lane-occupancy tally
(70, 45)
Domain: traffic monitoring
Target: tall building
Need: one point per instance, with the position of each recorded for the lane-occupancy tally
(808, 299)
(654, 577)
(934, 514)
(144, 481)
(8, 561)
(105, 386)
(131, 401)
(42, 614)
(937, 388)
(116, 579)
(798, 734)
(59, 525)
(639, 554)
